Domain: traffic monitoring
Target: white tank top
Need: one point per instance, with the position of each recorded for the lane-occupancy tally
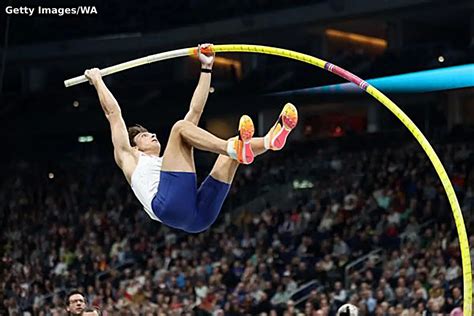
(145, 180)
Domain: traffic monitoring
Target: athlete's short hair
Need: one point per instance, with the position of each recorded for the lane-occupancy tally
(134, 131)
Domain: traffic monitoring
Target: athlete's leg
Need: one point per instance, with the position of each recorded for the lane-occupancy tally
(183, 152)
(213, 191)
(225, 167)
(258, 146)
(274, 140)
(175, 202)
(178, 155)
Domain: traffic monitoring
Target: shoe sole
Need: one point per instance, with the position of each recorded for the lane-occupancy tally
(287, 120)
(289, 116)
(246, 131)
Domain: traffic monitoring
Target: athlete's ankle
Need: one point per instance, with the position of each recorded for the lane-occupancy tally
(231, 152)
(266, 141)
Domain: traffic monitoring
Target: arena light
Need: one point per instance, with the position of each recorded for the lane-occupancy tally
(85, 139)
(357, 38)
(303, 184)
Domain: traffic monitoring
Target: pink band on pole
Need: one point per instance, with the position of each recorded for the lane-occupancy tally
(346, 75)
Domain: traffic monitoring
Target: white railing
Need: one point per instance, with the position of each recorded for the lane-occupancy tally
(374, 254)
(304, 287)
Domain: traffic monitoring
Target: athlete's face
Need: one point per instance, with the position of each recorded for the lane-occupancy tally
(147, 141)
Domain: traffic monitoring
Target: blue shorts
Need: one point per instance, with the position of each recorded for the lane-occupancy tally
(179, 204)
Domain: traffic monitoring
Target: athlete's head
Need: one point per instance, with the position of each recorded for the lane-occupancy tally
(142, 139)
(347, 310)
(75, 302)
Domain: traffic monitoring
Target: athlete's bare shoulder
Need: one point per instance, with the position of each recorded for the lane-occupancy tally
(128, 162)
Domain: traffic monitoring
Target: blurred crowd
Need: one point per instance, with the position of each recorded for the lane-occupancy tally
(77, 225)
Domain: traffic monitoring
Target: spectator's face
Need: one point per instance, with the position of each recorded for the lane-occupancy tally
(440, 261)
(324, 302)
(76, 304)
(398, 309)
(401, 282)
(379, 311)
(419, 294)
(290, 305)
(382, 283)
(456, 292)
(417, 284)
(433, 305)
(380, 295)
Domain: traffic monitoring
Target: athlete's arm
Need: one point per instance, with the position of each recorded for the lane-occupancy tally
(202, 90)
(122, 148)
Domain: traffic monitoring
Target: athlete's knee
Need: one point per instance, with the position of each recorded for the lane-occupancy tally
(180, 126)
